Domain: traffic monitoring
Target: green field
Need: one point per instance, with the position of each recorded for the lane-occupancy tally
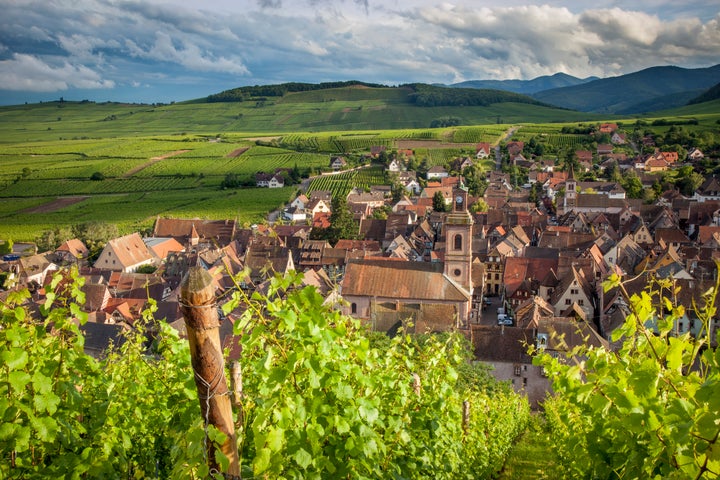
(133, 162)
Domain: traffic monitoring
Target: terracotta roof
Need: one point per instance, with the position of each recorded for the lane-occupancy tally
(404, 280)
(129, 250)
(161, 247)
(221, 230)
(76, 247)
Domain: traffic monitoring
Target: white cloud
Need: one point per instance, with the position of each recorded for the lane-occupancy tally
(29, 73)
(268, 41)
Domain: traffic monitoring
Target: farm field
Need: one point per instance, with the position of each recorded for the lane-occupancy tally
(63, 163)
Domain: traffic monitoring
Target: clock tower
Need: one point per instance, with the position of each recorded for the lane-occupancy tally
(458, 241)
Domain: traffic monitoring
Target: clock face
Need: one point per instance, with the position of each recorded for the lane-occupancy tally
(459, 199)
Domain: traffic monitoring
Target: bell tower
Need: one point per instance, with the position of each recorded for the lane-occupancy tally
(570, 198)
(458, 241)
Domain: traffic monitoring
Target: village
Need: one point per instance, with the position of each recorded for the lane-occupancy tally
(523, 264)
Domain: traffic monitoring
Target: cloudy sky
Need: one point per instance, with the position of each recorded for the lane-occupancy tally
(165, 50)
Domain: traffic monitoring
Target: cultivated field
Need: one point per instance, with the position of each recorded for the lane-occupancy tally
(65, 163)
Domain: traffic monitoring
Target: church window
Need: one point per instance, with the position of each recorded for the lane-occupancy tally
(457, 272)
(458, 242)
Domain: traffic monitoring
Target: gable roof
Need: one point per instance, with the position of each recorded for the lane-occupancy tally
(401, 280)
(182, 229)
(130, 250)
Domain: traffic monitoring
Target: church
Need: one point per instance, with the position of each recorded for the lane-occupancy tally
(418, 296)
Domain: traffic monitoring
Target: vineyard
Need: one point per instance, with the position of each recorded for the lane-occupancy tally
(341, 184)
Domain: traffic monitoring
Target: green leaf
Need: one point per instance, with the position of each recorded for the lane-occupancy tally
(45, 427)
(15, 358)
(370, 414)
(275, 439)
(675, 353)
(18, 380)
(303, 458)
(261, 462)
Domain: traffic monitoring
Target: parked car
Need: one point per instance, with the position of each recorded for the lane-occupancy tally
(504, 319)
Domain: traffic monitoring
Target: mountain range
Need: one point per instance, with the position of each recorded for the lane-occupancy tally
(651, 89)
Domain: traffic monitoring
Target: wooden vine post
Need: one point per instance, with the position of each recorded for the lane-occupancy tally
(199, 309)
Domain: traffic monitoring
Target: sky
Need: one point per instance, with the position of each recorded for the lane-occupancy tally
(172, 50)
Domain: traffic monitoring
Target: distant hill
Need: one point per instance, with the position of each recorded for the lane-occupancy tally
(419, 94)
(526, 87)
(712, 94)
(644, 91)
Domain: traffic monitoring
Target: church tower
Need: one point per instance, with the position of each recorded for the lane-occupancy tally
(458, 241)
(570, 199)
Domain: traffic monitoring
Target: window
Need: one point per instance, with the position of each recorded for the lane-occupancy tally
(573, 291)
(457, 272)
(524, 381)
(353, 308)
(567, 301)
(497, 276)
(516, 370)
(458, 242)
(581, 302)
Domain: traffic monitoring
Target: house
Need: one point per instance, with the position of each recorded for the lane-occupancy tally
(394, 166)
(483, 150)
(604, 149)
(618, 138)
(269, 180)
(437, 171)
(515, 147)
(35, 268)
(573, 291)
(316, 206)
(300, 201)
(607, 127)
(695, 154)
(461, 163)
(71, 251)
(277, 181)
(338, 163)
(709, 190)
(161, 247)
(125, 254)
(294, 214)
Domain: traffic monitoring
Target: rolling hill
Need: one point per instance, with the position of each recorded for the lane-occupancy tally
(645, 91)
(526, 87)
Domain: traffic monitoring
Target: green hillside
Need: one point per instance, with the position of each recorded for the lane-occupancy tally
(53, 121)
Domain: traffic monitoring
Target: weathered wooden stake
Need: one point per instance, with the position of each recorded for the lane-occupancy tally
(416, 384)
(237, 388)
(466, 416)
(197, 294)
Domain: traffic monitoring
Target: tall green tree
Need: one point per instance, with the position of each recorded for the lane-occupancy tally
(438, 202)
(342, 224)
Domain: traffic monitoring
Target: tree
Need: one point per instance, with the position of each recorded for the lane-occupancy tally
(438, 202)
(342, 224)
(6, 247)
(648, 410)
(632, 185)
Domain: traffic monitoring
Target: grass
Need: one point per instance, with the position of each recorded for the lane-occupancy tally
(532, 457)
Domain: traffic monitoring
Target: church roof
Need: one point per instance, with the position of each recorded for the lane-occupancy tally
(401, 280)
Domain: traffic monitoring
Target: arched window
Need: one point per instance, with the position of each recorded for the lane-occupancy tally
(458, 242)
(353, 308)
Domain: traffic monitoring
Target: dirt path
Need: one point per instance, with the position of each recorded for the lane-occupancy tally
(55, 205)
(152, 161)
